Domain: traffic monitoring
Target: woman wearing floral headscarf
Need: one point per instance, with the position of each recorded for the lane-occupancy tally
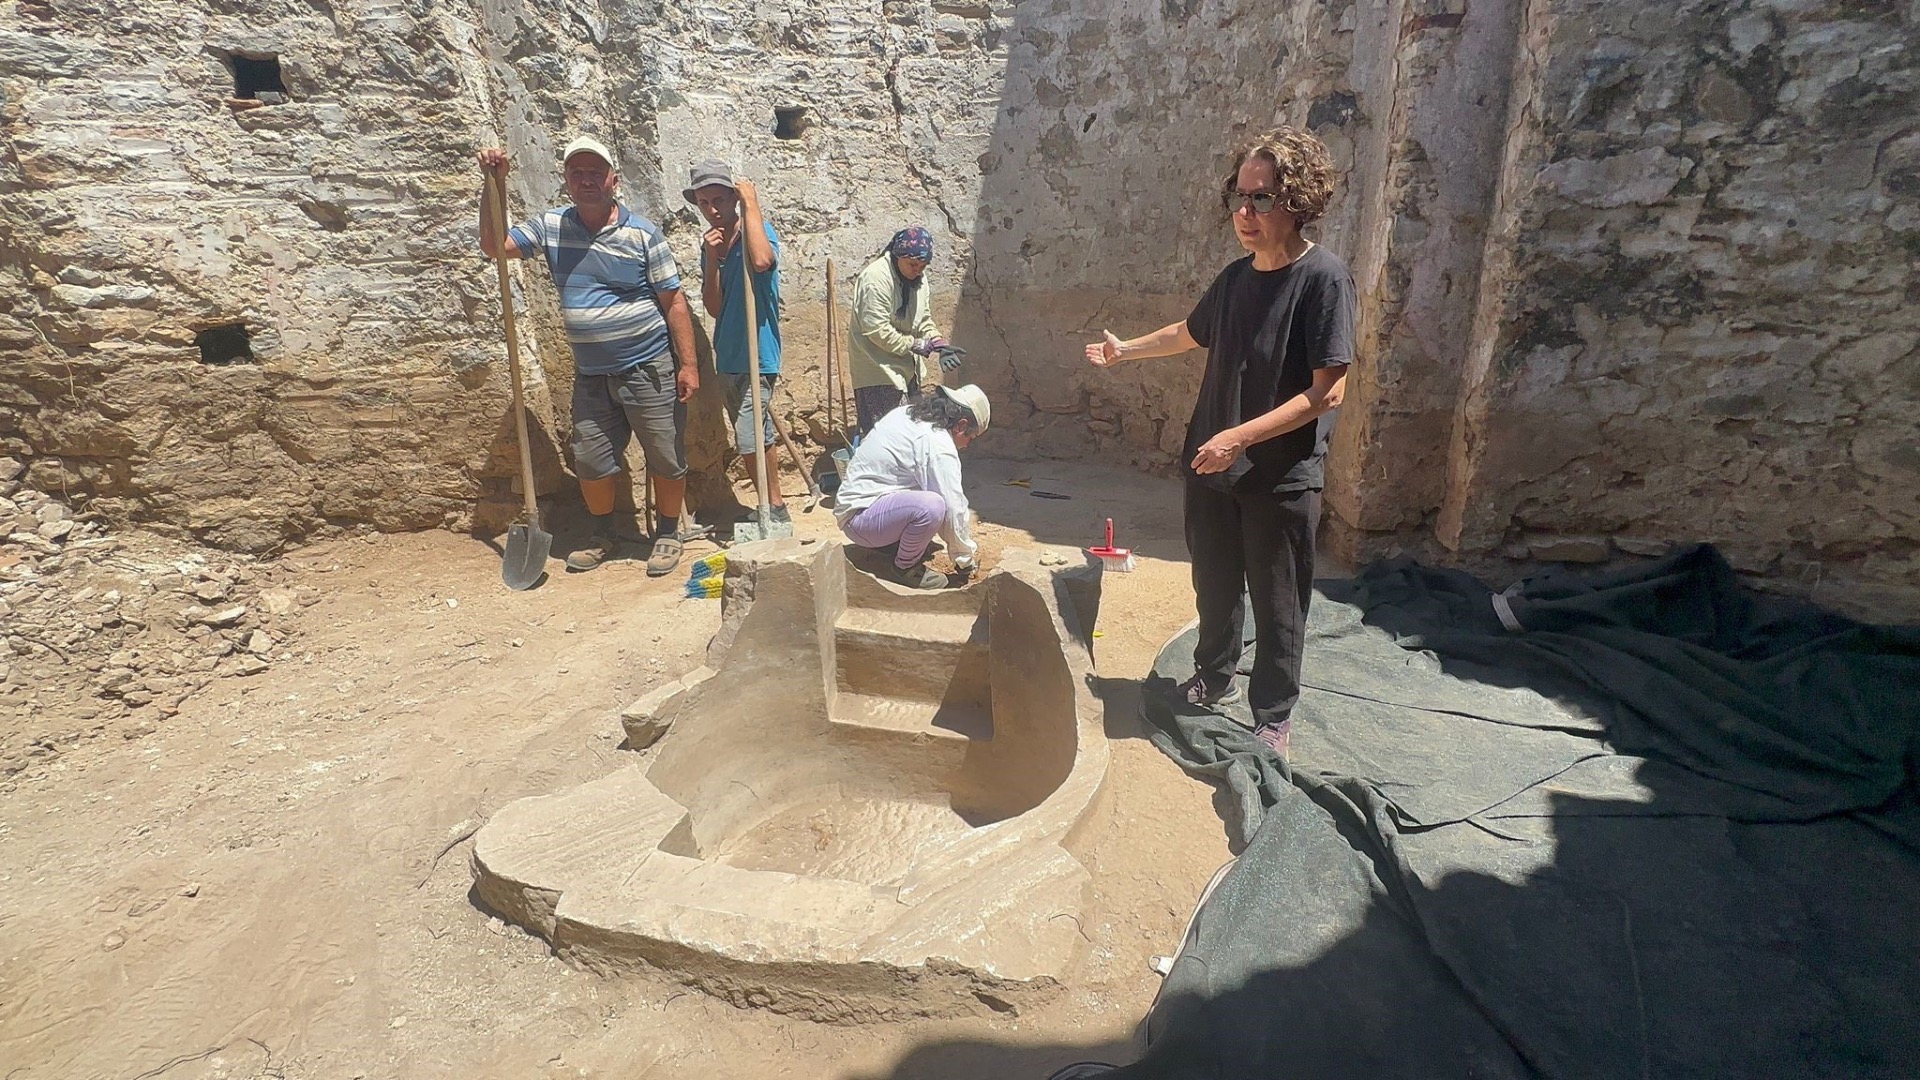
(892, 332)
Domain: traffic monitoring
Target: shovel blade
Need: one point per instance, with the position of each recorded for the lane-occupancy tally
(526, 561)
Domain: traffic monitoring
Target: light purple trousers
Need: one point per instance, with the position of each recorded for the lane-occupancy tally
(909, 518)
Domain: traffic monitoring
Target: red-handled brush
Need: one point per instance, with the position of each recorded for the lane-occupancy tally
(1117, 560)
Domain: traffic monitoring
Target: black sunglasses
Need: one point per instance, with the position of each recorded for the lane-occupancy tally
(1262, 202)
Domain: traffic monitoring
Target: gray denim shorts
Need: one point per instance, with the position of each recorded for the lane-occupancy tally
(741, 410)
(609, 409)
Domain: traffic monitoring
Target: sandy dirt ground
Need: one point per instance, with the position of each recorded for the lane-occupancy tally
(273, 881)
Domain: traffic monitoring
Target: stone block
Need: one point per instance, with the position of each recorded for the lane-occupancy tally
(797, 847)
(1570, 549)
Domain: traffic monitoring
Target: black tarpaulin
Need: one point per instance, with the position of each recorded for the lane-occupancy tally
(1666, 829)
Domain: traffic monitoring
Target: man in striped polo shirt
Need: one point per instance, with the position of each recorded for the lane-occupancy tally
(627, 322)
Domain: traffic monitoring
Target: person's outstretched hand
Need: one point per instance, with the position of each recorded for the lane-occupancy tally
(1104, 353)
(493, 160)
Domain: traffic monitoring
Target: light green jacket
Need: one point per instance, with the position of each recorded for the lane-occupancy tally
(880, 344)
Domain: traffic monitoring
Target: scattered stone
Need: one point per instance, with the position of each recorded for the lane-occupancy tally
(1640, 545)
(50, 513)
(1571, 549)
(277, 601)
(212, 591)
(250, 665)
(56, 530)
(259, 644)
(11, 468)
(224, 617)
(193, 890)
(1052, 558)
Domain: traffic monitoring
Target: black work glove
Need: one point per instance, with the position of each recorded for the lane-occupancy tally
(950, 356)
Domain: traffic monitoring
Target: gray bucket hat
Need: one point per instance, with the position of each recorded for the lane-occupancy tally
(705, 174)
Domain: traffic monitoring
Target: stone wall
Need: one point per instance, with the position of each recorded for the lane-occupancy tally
(1704, 326)
(352, 373)
(1632, 273)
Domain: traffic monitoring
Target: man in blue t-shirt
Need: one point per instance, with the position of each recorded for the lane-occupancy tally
(731, 206)
(627, 322)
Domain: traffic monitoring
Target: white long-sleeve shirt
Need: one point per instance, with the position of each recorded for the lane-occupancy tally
(904, 454)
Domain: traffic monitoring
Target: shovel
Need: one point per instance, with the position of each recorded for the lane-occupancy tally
(763, 526)
(527, 544)
(813, 485)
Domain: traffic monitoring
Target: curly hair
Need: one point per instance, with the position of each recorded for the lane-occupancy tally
(1302, 168)
(942, 412)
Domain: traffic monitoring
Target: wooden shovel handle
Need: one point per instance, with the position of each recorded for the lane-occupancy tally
(499, 183)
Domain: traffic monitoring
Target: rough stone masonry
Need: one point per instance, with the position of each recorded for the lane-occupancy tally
(1632, 272)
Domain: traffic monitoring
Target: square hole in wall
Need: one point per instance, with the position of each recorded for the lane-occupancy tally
(791, 121)
(257, 77)
(228, 343)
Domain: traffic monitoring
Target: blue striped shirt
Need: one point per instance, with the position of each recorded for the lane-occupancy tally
(609, 286)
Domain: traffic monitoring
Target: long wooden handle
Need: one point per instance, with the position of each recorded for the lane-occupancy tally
(833, 318)
(753, 378)
(828, 367)
(793, 451)
(499, 183)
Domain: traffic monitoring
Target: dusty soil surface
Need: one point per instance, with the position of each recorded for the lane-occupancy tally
(261, 870)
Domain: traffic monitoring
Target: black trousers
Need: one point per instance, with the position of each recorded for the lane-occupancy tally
(1258, 547)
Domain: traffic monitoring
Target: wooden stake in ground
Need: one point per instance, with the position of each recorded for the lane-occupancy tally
(827, 367)
(833, 338)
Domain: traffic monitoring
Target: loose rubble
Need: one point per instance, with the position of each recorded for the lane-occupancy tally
(102, 633)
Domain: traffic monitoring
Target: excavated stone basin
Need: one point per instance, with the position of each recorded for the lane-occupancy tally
(863, 805)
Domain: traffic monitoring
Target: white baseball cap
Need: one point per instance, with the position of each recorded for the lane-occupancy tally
(974, 400)
(586, 144)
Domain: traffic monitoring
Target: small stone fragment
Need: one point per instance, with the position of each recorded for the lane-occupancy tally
(1573, 549)
(56, 530)
(259, 644)
(224, 617)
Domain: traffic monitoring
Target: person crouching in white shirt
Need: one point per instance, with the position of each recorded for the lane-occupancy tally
(903, 486)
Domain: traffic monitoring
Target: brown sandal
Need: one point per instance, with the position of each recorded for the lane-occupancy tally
(666, 555)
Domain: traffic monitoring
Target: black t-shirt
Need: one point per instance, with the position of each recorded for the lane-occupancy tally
(1265, 332)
